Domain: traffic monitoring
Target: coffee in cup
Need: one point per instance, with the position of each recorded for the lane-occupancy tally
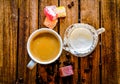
(44, 46)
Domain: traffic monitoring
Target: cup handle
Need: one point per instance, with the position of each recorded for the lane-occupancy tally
(31, 64)
(101, 30)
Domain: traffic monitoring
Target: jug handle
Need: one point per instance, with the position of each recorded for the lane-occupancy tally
(101, 30)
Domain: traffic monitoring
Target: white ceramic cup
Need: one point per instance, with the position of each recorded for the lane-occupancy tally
(34, 61)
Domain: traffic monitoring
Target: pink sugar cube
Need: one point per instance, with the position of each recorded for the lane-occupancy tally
(66, 71)
(50, 12)
(50, 23)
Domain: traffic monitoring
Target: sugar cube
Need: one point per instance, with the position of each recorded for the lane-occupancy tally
(66, 71)
(50, 23)
(60, 11)
(50, 12)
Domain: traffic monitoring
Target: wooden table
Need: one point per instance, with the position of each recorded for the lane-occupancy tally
(19, 18)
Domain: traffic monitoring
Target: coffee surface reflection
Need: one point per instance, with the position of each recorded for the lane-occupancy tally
(44, 47)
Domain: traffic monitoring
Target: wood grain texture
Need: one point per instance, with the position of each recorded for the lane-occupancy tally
(45, 71)
(9, 39)
(1, 34)
(89, 14)
(118, 41)
(1, 38)
(28, 22)
(110, 39)
(71, 18)
(33, 15)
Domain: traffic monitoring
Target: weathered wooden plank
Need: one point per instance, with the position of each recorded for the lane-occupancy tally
(9, 39)
(33, 15)
(28, 22)
(23, 36)
(118, 41)
(45, 71)
(1, 34)
(71, 18)
(1, 37)
(110, 42)
(13, 36)
(90, 65)
(33, 26)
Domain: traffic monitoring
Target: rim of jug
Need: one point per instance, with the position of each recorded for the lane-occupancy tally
(67, 46)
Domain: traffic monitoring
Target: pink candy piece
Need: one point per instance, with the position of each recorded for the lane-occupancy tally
(66, 71)
(50, 12)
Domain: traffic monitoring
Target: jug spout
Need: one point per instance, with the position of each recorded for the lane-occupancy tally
(101, 30)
